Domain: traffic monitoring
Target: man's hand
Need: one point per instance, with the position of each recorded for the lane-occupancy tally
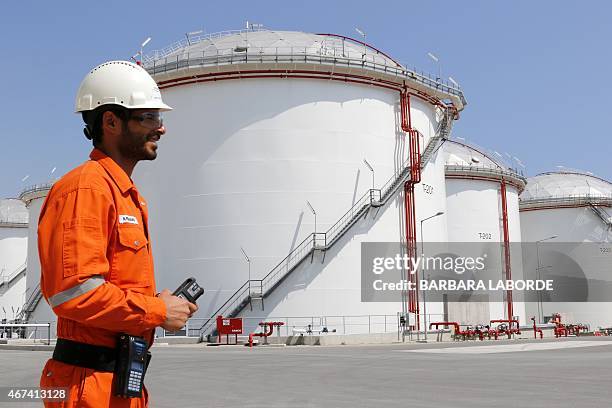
(178, 310)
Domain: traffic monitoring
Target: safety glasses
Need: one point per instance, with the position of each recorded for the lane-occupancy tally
(150, 120)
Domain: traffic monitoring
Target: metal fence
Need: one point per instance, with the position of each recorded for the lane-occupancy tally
(292, 325)
(30, 331)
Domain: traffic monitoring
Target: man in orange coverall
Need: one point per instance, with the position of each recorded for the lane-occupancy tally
(93, 241)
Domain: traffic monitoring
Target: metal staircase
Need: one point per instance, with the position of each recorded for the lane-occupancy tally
(442, 133)
(602, 214)
(8, 279)
(322, 241)
(31, 304)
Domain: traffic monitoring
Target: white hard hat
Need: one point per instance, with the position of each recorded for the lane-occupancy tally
(119, 83)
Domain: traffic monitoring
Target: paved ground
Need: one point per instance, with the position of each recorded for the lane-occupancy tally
(571, 373)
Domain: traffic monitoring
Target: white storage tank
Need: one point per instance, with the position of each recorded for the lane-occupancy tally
(265, 122)
(34, 308)
(13, 251)
(482, 193)
(570, 206)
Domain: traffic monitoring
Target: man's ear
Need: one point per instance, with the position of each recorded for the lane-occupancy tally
(110, 122)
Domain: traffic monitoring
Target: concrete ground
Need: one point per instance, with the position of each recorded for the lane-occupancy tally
(555, 373)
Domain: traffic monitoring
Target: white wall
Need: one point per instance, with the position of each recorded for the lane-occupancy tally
(239, 162)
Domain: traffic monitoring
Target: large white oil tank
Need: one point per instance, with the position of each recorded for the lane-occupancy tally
(34, 308)
(479, 213)
(559, 211)
(269, 134)
(13, 251)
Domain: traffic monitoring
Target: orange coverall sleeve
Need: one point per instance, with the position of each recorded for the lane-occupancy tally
(74, 237)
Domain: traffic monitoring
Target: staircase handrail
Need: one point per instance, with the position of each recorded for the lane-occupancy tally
(14, 274)
(31, 303)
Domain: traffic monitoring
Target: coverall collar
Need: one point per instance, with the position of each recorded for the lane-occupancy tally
(123, 181)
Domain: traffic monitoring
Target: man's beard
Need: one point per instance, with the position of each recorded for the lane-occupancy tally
(134, 146)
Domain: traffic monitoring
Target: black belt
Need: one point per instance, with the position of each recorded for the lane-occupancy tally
(98, 358)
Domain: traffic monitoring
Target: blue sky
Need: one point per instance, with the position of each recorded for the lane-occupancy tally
(537, 75)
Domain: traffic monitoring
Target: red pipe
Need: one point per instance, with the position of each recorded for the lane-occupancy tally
(536, 330)
(507, 321)
(454, 324)
(507, 259)
(409, 200)
(413, 294)
(268, 326)
(510, 330)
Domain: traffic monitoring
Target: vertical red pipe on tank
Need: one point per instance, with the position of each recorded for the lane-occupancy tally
(504, 204)
(409, 201)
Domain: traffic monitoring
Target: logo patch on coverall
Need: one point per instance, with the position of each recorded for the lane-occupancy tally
(127, 219)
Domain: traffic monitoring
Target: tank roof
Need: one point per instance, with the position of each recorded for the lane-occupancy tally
(457, 153)
(465, 160)
(566, 184)
(271, 42)
(202, 55)
(13, 211)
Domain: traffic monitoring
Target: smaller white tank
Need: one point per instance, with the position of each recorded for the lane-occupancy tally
(571, 206)
(475, 211)
(13, 250)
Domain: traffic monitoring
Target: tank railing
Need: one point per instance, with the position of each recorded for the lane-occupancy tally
(4, 279)
(291, 55)
(481, 168)
(18, 223)
(313, 241)
(35, 188)
(399, 176)
(331, 45)
(581, 199)
(294, 258)
(274, 54)
(193, 39)
(360, 205)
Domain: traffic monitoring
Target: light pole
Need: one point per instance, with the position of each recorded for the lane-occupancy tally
(145, 42)
(423, 269)
(314, 213)
(371, 169)
(365, 47)
(540, 306)
(246, 257)
(191, 34)
(437, 61)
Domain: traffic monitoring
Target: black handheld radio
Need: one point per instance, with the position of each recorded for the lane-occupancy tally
(189, 290)
(131, 366)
